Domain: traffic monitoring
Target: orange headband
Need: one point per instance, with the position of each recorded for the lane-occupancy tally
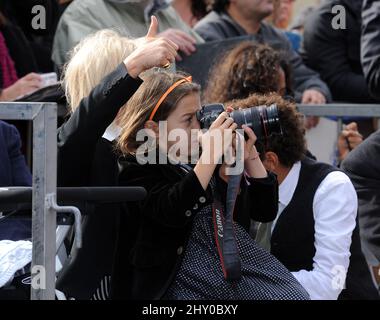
(175, 85)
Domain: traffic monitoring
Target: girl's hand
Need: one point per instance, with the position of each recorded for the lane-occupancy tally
(252, 162)
(150, 52)
(218, 138)
(214, 142)
(250, 152)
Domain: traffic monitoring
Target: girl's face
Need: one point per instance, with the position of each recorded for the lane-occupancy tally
(184, 119)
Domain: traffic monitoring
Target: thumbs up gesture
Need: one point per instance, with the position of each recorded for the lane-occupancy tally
(151, 52)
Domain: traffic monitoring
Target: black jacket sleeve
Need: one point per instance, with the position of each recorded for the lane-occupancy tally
(304, 77)
(363, 167)
(172, 199)
(334, 53)
(77, 138)
(370, 45)
(257, 200)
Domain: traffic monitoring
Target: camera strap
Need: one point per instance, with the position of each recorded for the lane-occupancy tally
(224, 230)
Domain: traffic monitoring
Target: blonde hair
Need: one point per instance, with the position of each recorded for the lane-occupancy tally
(142, 103)
(91, 60)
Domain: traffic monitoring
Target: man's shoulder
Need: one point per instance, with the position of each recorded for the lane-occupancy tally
(271, 33)
(79, 8)
(212, 17)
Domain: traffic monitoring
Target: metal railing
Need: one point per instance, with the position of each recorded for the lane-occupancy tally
(44, 117)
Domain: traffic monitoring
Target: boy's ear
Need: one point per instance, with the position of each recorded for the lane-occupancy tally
(152, 127)
(271, 161)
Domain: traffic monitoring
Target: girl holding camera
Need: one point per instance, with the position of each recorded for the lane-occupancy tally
(174, 253)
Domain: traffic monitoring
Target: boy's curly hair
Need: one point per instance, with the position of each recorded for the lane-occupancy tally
(290, 147)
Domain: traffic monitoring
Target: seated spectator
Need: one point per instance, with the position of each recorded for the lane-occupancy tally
(191, 11)
(40, 40)
(16, 63)
(102, 74)
(370, 48)
(335, 54)
(252, 68)
(13, 173)
(363, 167)
(248, 68)
(313, 230)
(13, 168)
(246, 17)
(174, 223)
(128, 17)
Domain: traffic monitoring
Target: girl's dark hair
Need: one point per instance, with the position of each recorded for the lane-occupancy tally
(290, 147)
(220, 5)
(246, 69)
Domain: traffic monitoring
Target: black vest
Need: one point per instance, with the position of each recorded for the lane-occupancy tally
(292, 240)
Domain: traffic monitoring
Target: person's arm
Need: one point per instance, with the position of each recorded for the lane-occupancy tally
(335, 209)
(304, 77)
(20, 173)
(370, 45)
(327, 52)
(78, 136)
(363, 167)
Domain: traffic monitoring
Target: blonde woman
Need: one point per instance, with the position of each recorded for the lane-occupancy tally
(101, 76)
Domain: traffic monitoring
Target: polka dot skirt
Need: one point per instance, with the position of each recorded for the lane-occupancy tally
(200, 275)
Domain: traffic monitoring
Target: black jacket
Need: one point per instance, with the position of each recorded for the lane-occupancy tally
(335, 54)
(370, 45)
(86, 159)
(80, 138)
(162, 222)
(363, 167)
(220, 26)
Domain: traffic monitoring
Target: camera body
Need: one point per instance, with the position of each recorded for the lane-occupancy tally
(263, 120)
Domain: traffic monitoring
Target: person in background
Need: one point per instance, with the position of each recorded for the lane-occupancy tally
(314, 233)
(13, 173)
(191, 11)
(245, 17)
(363, 167)
(16, 63)
(281, 17)
(39, 38)
(370, 46)
(129, 17)
(334, 52)
(247, 69)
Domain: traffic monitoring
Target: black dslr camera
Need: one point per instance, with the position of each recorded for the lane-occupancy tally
(263, 120)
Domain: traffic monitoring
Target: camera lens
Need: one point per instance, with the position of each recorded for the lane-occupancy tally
(263, 120)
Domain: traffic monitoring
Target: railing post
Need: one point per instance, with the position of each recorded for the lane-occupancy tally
(44, 217)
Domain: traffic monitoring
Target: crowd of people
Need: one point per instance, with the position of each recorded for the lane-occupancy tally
(302, 229)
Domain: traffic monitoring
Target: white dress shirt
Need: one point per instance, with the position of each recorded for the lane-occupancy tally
(334, 209)
(112, 132)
